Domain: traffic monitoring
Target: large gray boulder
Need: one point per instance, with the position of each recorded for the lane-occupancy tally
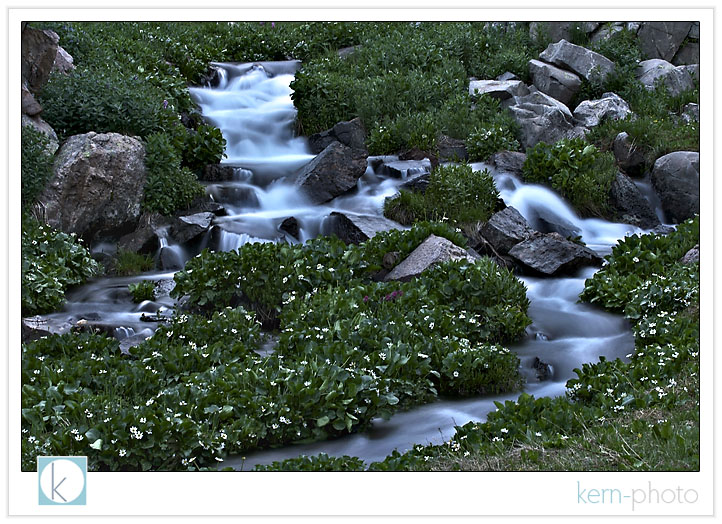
(505, 229)
(585, 63)
(611, 106)
(351, 134)
(631, 205)
(542, 118)
(675, 177)
(97, 185)
(629, 158)
(662, 39)
(333, 172)
(554, 81)
(501, 90)
(675, 78)
(434, 250)
(39, 49)
(354, 229)
(552, 254)
(688, 54)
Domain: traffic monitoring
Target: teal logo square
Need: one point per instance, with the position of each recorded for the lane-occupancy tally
(62, 480)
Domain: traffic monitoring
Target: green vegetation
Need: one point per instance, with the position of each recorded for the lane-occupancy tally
(143, 290)
(197, 390)
(131, 263)
(455, 193)
(52, 262)
(577, 170)
(484, 142)
(36, 164)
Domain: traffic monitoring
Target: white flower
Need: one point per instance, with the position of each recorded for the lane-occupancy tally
(456, 374)
(121, 452)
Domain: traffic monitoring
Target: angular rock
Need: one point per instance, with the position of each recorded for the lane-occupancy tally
(145, 239)
(631, 204)
(606, 32)
(63, 62)
(37, 327)
(508, 161)
(41, 125)
(629, 158)
(351, 134)
(691, 256)
(541, 118)
(507, 76)
(39, 48)
(204, 204)
(218, 173)
(186, 228)
(406, 168)
(354, 229)
(417, 184)
(506, 229)
(97, 185)
(585, 63)
(29, 105)
(499, 89)
(554, 81)
(333, 172)
(290, 226)
(662, 39)
(690, 113)
(688, 54)
(675, 78)
(591, 113)
(553, 255)
(675, 177)
(434, 250)
(451, 149)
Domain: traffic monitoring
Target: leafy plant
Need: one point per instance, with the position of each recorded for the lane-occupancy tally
(484, 142)
(143, 290)
(36, 164)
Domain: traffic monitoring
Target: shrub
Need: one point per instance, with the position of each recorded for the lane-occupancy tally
(132, 263)
(52, 262)
(456, 193)
(320, 462)
(577, 170)
(169, 187)
(203, 146)
(36, 164)
(484, 142)
(143, 290)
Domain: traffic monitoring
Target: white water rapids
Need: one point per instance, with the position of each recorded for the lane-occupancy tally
(253, 108)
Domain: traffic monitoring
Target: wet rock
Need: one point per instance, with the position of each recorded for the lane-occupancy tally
(236, 194)
(691, 256)
(662, 39)
(41, 125)
(543, 369)
(351, 134)
(39, 49)
(552, 254)
(629, 158)
(417, 154)
(97, 185)
(354, 229)
(542, 118)
(509, 161)
(546, 220)
(333, 172)
(63, 62)
(553, 81)
(430, 252)
(145, 239)
(675, 177)
(499, 89)
(218, 173)
(591, 113)
(29, 105)
(676, 79)
(204, 205)
(690, 113)
(186, 228)
(451, 149)
(630, 203)
(417, 184)
(290, 226)
(164, 287)
(170, 259)
(506, 229)
(37, 327)
(212, 77)
(585, 63)
(406, 168)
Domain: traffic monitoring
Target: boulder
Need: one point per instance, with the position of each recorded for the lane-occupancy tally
(290, 226)
(605, 32)
(507, 76)
(351, 134)
(451, 149)
(499, 89)
(591, 113)
(41, 125)
(690, 113)
(354, 229)
(29, 105)
(218, 173)
(171, 258)
(675, 78)
(554, 81)
(145, 239)
(629, 158)
(662, 39)
(675, 177)
(331, 173)
(63, 62)
(552, 254)
(541, 118)
(691, 256)
(585, 63)
(39, 48)
(97, 185)
(631, 205)
(688, 54)
(186, 228)
(505, 229)
(434, 250)
(508, 161)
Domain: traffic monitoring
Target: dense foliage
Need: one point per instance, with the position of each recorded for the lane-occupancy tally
(36, 164)
(456, 193)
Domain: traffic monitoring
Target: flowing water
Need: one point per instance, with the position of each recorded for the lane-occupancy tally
(253, 108)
